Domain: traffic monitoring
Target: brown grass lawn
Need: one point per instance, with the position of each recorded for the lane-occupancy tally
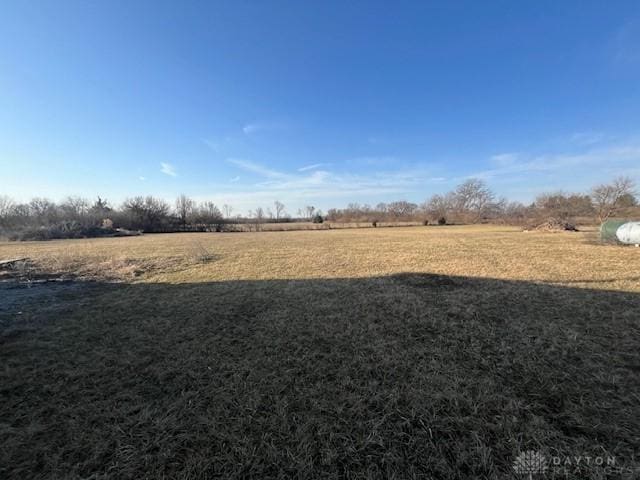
(418, 352)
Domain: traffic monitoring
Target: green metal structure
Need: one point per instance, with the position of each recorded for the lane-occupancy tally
(608, 230)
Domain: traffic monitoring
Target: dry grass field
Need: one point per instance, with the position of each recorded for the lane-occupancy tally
(418, 352)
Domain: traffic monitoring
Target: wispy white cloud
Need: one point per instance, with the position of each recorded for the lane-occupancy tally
(141, 178)
(314, 179)
(252, 128)
(373, 161)
(313, 183)
(255, 168)
(314, 166)
(587, 138)
(614, 158)
(168, 169)
(326, 190)
(520, 176)
(503, 159)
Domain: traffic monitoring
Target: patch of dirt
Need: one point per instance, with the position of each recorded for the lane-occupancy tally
(25, 305)
(106, 270)
(28, 293)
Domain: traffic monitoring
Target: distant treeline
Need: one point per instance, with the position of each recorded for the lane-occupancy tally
(474, 202)
(470, 202)
(77, 217)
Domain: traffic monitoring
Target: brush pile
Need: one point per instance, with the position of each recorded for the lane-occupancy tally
(554, 225)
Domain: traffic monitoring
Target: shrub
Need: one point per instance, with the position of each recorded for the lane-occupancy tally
(318, 219)
(374, 224)
(442, 221)
(58, 231)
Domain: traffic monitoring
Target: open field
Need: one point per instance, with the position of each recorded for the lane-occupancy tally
(418, 352)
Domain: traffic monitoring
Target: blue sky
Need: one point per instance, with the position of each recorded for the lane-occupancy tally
(320, 103)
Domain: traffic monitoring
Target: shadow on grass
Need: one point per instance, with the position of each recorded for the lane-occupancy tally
(405, 376)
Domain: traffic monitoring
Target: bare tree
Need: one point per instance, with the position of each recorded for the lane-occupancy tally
(472, 198)
(628, 200)
(6, 208)
(156, 211)
(259, 218)
(75, 208)
(439, 206)
(208, 216)
(100, 210)
(211, 210)
(515, 213)
(609, 198)
(184, 209)
(309, 211)
(146, 213)
(20, 214)
(279, 209)
(228, 209)
(44, 211)
(563, 206)
(401, 209)
(256, 219)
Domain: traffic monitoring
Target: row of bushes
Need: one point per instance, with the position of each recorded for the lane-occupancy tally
(63, 230)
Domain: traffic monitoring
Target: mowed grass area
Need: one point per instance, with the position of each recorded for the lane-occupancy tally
(426, 352)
